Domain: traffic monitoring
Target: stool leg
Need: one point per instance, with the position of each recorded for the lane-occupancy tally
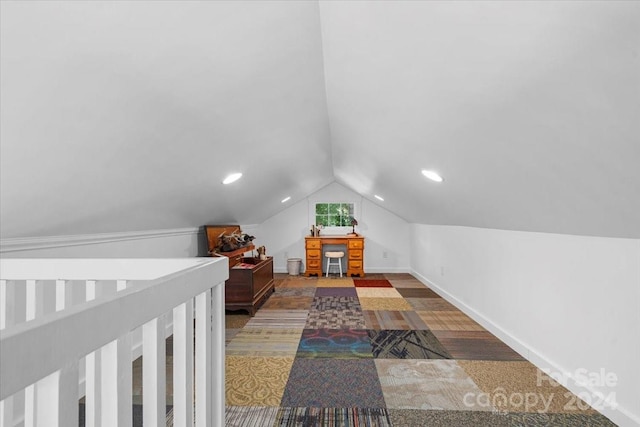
(340, 265)
(328, 267)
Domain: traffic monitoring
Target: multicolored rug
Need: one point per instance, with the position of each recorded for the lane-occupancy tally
(381, 351)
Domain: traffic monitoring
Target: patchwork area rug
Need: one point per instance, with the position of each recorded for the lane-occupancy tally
(380, 351)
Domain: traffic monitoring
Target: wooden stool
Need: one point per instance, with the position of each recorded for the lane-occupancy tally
(337, 256)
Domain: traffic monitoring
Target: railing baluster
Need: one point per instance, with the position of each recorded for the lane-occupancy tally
(40, 299)
(91, 291)
(121, 285)
(31, 302)
(30, 413)
(203, 359)
(183, 365)
(6, 412)
(217, 356)
(93, 389)
(6, 303)
(61, 295)
(116, 383)
(47, 401)
(93, 370)
(154, 372)
(57, 398)
(64, 294)
(18, 406)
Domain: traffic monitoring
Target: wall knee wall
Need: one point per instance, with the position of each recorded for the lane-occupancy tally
(564, 302)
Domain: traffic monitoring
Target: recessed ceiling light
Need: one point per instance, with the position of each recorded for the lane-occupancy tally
(286, 199)
(378, 197)
(432, 175)
(232, 178)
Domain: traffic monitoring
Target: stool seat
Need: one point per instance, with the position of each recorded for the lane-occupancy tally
(337, 256)
(334, 254)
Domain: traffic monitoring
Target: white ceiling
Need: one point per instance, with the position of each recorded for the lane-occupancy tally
(124, 116)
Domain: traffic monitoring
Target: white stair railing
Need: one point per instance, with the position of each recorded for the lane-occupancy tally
(71, 328)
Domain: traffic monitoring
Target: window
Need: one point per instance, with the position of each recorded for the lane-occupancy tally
(334, 214)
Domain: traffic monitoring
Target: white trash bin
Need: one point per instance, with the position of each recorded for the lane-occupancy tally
(293, 266)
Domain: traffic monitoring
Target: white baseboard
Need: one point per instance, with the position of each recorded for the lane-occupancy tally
(369, 270)
(386, 270)
(620, 415)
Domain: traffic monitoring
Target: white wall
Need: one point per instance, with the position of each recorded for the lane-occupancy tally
(283, 234)
(386, 237)
(564, 302)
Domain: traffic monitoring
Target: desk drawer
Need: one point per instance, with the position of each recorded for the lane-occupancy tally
(313, 254)
(355, 265)
(313, 244)
(355, 254)
(313, 264)
(356, 244)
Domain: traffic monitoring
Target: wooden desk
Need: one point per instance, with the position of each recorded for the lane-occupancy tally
(354, 253)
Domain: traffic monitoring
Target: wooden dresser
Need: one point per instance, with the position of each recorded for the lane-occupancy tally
(354, 252)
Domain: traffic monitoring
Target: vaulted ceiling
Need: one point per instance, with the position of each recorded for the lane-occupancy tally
(124, 116)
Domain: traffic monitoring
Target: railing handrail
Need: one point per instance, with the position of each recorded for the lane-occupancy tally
(58, 337)
(93, 268)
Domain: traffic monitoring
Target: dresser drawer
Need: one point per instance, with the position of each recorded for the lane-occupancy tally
(355, 265)
(313, 254)
(356, 244)
(313, 244)
(355, 254)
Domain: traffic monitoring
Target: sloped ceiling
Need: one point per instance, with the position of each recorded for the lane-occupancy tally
(529, 110)
(124, 116)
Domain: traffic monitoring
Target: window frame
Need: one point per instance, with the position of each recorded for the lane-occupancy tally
(344, 223)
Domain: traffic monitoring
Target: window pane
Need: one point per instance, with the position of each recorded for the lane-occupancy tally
(322, 209)
(344, 209)
(334, 208)
(334, 221)
(321, 220)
